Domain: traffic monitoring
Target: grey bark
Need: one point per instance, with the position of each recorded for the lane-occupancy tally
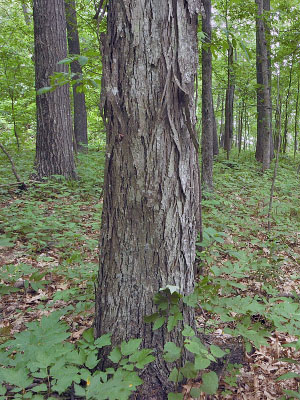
(207, 100)
(285, 131)
(54, 150)
(228, 135)
(152, 189)
(215, 132)
(296, 118)
(80, 115)
(263, 147)
(26, 12)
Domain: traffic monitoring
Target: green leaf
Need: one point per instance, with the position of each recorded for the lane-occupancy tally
(159, 323)
(210, 383)
(172, 352)
(188, 331)
(40, 388)
(6, 241)
(175, 396)
(288, 375)
(201, 362)
(67, 60)
(189, 370)
(79, 390)
(130, 347)
(43, 90)
(88, 335)
(104, 340)
(193, 347)
(83, 60)
(142, 357)
(292, 393)
(216, 351)
(195, 393)
(175, 376)
(151, 318)
(91, 361)
(173, 320)
(115, 355)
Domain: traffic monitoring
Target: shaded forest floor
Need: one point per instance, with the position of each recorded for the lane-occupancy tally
(249, 277)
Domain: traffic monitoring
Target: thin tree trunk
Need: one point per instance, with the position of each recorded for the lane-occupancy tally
(285, 131)
(26, 13)
(229, 104)
(54, 150)
(296, 118)
(80, 115)
(151, 190)
(240, 126)
(207, 101)
(263, 91)
(222, 134)
(215, 132)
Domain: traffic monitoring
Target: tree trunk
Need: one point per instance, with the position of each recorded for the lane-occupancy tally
(263, 146)
(240, 126)
(151, 191)
(215, 132)
(26, 13)
(222, 133)
(207, 104)
(296, 118)
(229, 104)
(54, 151)
(285, 131)
(80, 116)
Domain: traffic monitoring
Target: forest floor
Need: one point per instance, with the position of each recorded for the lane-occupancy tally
(249, 276)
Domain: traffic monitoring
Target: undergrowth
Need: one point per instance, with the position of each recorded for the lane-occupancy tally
(241, 288)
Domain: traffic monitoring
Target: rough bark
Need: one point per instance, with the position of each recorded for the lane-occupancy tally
(80, 115)
(207, 101)
(151, 190)
(54, 150)
(263, 147)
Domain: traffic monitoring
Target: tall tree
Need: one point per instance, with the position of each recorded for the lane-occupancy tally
(151, 190)
(207, 100)
(54, 150)
(80, 116)
(263, 147)
(228, 135)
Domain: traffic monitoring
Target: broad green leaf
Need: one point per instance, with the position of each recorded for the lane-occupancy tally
(142, 357)
(92, 360)
(201, 362)
(189, 370)
(210, 383)
(173, 320)
(40, 388)
(195, 393)
(172, 352)
(216, 351)
(88, 335)
(175, 396)
(188, 331)
(130, 347)
(159, 323)
(193, 347)
(115, 355)
(104, 340)
(175, 376)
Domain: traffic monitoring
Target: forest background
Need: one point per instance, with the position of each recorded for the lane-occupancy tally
(247, 297)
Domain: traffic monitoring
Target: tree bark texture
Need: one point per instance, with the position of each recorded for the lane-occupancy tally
(151, 192)
(54, 151)
(215, 132)
(80, 115)
(229, 103)
(296, 118)
(263, 147)
(285, 130)
(207, 101)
